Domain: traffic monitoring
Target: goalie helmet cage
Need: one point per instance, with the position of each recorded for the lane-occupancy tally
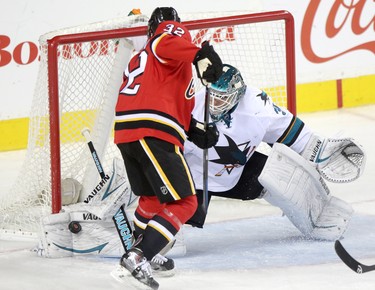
(84, 71)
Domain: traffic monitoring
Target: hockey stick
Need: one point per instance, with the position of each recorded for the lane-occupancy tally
(86, 133)
(205, 152)
(350, 261)
(120, 218)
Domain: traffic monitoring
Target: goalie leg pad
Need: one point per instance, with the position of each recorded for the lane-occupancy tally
(97, 237)
(333, 220)
(54, 232)
(296, 187)
(94, 237)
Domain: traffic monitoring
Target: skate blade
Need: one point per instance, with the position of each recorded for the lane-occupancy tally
(122, 275)
(158, 273)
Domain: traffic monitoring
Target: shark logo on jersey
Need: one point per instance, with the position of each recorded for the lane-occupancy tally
(233, 155)
(278, 110)
(264, 97)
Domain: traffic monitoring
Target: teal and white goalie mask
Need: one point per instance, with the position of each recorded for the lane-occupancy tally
(226, 92)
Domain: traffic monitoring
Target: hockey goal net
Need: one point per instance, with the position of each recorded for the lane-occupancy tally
(79, 76)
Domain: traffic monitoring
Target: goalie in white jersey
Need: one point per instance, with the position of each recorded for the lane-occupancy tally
(291, 177)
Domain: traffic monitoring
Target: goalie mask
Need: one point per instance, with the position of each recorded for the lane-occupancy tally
(226, 92)
(159, 15)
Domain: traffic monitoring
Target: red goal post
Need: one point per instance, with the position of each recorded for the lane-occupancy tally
(77, 86)
(229, 21)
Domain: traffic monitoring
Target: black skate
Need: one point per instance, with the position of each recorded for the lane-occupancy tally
(162, 266)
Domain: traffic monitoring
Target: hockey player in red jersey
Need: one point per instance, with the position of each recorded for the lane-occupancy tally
(153, 120)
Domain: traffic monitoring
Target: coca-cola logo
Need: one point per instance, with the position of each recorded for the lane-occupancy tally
(345, 17)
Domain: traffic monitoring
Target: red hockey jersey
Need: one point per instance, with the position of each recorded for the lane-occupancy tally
(157, 96)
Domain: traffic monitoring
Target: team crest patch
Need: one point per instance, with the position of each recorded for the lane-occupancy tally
(190, 91)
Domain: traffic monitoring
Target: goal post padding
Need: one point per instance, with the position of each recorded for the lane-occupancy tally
(79, 77)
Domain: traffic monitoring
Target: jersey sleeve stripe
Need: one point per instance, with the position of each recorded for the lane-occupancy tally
(154, 44)
(291, 134)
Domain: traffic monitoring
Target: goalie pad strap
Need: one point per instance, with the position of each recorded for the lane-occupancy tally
(297, 189)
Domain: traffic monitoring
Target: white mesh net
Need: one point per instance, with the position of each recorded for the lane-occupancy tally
(89, 75)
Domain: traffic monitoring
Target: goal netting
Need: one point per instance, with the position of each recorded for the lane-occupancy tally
(77, 86)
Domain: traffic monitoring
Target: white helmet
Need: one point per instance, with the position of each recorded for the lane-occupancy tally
(226, 92)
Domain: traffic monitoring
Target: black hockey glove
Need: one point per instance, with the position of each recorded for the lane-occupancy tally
(203, 139)
(208, 64)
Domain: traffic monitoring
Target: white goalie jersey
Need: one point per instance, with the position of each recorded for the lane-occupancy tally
(292, 177)
(256, 119)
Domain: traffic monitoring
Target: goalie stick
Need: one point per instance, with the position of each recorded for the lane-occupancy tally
(350, 261)
(205, 152)
(120, 218)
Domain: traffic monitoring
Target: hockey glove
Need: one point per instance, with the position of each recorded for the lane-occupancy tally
(338, 160)
(208, 64)
(203, 138)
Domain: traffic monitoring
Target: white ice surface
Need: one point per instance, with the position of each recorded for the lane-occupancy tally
(244, 245)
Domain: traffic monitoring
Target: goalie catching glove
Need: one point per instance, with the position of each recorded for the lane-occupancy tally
(208, 64)
(337, 160)
(203, 138)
